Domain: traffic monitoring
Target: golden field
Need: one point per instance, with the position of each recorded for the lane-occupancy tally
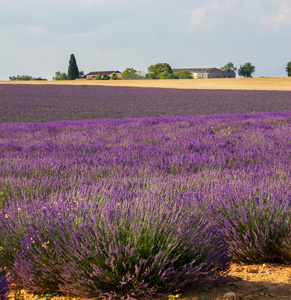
(270, 83)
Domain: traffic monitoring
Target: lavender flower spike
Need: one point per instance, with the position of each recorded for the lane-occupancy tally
(4, 287)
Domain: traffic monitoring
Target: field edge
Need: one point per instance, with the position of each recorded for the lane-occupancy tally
(269, 83)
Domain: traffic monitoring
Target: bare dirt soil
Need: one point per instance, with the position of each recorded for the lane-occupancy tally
(270, 83)
(252, 282)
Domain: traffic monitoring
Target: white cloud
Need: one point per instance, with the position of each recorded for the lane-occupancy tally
(197, 18)
(199, 15)
(71, 2)
(119, 33)
(281, 18)
(35, 30)
(218, 5)
(93, 2)
(26, 30)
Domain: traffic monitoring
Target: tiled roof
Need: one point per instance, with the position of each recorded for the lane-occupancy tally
(102, 73)
(195, 69)
(226, 69)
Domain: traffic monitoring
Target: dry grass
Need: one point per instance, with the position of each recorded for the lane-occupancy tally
(272, 83)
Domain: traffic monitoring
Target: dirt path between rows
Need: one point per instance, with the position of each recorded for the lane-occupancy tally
(253, 282)
(267, 281)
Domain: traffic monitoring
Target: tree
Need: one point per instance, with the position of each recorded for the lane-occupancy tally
(166, 75)
(60, 76)
(73, 71)
(183, 74)
(246, 70)
(154, 71)
(288, 69)
(230, 66)
(114, 76)
(39, 78)
(25, 77)
(129, 73)
(102, 77)
(140, 75)
(105, 77)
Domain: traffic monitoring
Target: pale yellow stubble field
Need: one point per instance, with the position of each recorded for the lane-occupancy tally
(270, 83)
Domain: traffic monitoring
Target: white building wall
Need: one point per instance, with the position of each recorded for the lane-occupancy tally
(200, 75)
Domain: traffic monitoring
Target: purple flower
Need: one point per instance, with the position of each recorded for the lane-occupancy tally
(158, 203)
(4, 287)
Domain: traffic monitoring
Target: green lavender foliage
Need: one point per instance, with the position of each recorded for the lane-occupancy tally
(129, 245)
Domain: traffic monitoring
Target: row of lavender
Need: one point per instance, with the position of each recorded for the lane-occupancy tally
(42, 103)
(139, 206)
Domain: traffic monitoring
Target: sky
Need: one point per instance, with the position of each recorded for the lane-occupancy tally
(38, 36)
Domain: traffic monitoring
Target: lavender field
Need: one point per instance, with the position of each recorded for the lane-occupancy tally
(41, 103)
(141, 206)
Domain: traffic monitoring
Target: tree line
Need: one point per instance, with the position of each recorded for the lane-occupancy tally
(25, 77)
(246, 70)
(157, 71)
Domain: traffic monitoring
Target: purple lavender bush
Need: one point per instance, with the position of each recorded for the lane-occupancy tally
(134, 247)
(4, 287)
(255, 222)
(138, 206)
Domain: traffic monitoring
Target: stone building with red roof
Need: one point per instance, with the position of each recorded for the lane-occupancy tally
(110, 73)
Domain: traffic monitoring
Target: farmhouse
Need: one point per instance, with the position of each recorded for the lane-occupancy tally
(228, 73)
(208, 72)
(94, 74)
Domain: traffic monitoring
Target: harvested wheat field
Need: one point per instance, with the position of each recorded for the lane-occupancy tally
(272, 83)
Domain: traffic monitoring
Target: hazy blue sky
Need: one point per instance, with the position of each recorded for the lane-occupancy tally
(38, 36)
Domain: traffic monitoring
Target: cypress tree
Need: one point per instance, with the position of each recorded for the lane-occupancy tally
(73, 71)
